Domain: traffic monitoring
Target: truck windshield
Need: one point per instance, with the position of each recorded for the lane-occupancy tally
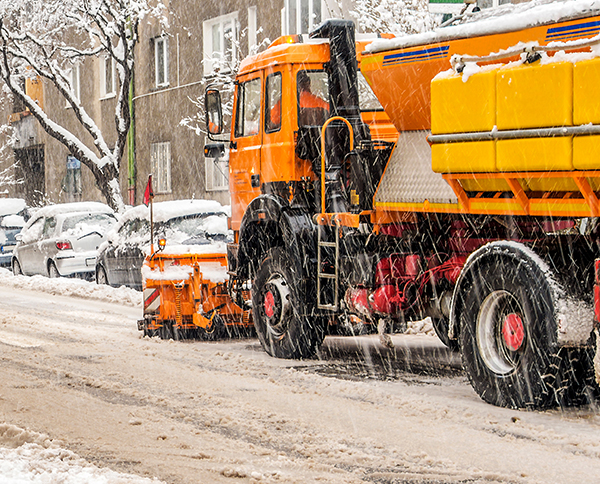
(313, 95)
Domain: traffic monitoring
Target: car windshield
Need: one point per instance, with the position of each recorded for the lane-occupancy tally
(196, 229)
(82, 224)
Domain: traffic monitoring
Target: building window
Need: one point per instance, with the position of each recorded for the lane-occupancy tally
(301, 16)
(160, 163)
(220, 36)
(73, 76)
(107, 77)
(161, 59)
(247, 117)
(217, 173)
(73, 178)
(252, 30)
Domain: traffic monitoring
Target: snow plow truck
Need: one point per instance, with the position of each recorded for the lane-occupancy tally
(459, 182)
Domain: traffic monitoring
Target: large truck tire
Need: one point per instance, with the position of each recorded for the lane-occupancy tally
(508, 328)
(282, 316)
(440, 326)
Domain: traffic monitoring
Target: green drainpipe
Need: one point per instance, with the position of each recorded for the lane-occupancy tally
(131, 148)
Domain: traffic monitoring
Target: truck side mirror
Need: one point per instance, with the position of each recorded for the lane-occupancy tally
(214, 114)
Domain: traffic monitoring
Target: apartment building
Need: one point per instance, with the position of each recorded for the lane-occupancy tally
(172, 68)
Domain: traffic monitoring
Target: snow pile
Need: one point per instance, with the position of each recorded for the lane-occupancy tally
(32, 458)
(424, 326)
(73, 287)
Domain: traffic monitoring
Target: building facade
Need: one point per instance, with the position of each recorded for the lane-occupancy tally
(203, 43)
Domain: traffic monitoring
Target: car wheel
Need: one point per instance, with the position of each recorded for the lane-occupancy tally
(52, 270)
(16, 267)
(101, 277)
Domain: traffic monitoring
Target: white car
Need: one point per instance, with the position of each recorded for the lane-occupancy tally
(62, 240)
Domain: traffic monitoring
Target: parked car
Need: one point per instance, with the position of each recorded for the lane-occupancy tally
(184, 222)
(13, 216)
(62, 240)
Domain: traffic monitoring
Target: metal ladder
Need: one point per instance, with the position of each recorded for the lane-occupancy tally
(321, 275)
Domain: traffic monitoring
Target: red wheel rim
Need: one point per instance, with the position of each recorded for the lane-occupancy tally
(269, 304)
(513, 331)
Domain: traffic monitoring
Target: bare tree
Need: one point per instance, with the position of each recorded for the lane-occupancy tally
(44, 39)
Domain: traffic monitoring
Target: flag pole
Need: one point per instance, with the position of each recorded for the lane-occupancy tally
(151, 221)
(149, 201)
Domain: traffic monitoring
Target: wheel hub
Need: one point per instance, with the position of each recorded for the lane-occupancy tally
(500, 332)
(513, 331)
(276, 305)
(269, 304)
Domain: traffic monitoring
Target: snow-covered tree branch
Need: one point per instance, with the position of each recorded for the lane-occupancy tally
(224, 67)
(393, 16)
(45, 39)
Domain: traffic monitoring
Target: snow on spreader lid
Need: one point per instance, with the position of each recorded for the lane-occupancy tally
(507, 18)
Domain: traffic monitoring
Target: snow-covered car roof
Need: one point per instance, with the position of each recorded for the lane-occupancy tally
(60, 208)
(12, 221)
(507, 18)
(163, 211)
(11, 206)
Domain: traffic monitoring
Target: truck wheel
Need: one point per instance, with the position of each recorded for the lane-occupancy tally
(281, 311)
(507, 331)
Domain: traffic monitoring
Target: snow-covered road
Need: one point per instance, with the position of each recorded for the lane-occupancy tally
(195, 412)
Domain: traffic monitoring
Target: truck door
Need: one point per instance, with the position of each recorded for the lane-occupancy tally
(278, 142)
(244, 156)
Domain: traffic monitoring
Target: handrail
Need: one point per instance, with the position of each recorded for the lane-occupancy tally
(351, 131)
(458, 61)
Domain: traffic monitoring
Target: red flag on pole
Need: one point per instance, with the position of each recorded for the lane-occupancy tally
(148, 194)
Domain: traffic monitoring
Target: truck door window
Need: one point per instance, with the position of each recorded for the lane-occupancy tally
(273, 103)
(313, 93)
(247, 118)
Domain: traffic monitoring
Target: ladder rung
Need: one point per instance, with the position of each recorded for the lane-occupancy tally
(326, 276)
(327, 244)
(332, 307)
